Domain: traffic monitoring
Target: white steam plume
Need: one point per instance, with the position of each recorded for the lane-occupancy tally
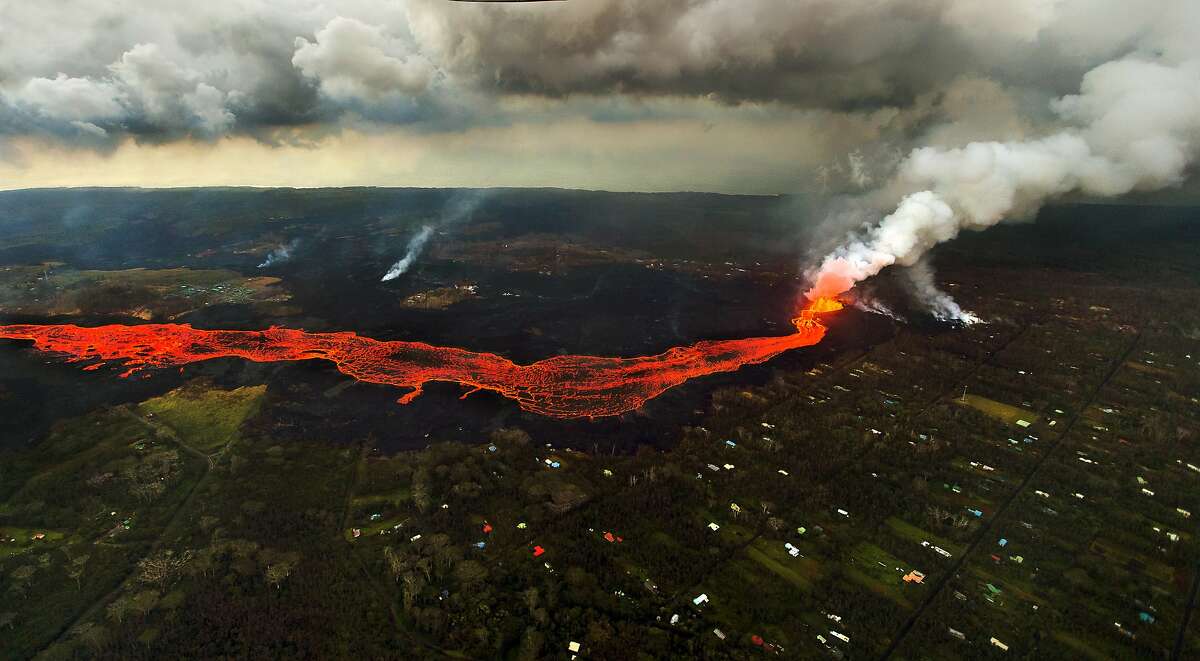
(875, 306)
(940, 304)
(1135, 125)
(459, 208)
(415, 246)
(280, 254)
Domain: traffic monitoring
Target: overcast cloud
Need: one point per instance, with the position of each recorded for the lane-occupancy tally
(899, 73)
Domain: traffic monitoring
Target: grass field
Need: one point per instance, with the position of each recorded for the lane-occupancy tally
(206, 418)
(1083, 648)
(797, 571)
(908, 532)
(864, 569)
(998, 410)
(24, 540)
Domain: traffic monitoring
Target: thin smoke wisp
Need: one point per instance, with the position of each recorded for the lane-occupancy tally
(459, 208)
(280, 254)
(415, 246)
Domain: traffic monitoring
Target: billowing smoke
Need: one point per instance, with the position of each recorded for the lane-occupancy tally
(415, 246)
(1134, 126)
(280, 254)
(459, 208)
(873, 305)
(940, 304)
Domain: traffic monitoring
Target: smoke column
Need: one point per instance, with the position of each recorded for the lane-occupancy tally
(415, 246)
(459, 208)
(280, 254)
(940, 304)
(1134, 126)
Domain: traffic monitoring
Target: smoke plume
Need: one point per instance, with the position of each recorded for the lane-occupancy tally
(280, 254)
(1134, 126)
(415, 246)
(940, 304)
(459, 208)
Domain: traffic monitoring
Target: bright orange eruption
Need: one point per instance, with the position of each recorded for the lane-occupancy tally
(561, 387)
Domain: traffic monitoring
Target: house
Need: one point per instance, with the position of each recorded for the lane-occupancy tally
(573, 647)
(714, 468)
(955, 633)
(997, 643)
(702, 599)
(1023, 423)
(487, 528)
(719, 634)
(1003, 542)
(714, 527)
(537, 551)
(731, 444)
(522, 525)
(735, 507)
(729, 467)
(840, 636)
(357, 532)
(414, 538)
(675, 618)
(783, 472)
(1184, 513)
(792, 550)
(914, 576)
(844, 513)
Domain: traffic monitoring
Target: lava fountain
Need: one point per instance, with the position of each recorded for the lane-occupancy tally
(560, 387)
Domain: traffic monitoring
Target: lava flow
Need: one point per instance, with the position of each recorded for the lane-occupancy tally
(561, 387)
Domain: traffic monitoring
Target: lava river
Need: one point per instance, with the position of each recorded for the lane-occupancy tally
(561, 387)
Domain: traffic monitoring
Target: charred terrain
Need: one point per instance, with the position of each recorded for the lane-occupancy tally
(859, 485)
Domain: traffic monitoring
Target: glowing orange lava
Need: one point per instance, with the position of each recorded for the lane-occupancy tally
(561, 387)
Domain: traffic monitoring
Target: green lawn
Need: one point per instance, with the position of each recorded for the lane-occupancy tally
(998, 410)
(864, 569)
(906, 531)
(797, 571)
(204, 417)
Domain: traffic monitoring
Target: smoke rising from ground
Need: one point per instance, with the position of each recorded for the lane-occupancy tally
(941, 305)
(415, 246)
(280, 254)
(1133, 126)
(459, 208)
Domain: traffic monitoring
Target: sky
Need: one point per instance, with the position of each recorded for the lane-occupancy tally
(735, 96)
